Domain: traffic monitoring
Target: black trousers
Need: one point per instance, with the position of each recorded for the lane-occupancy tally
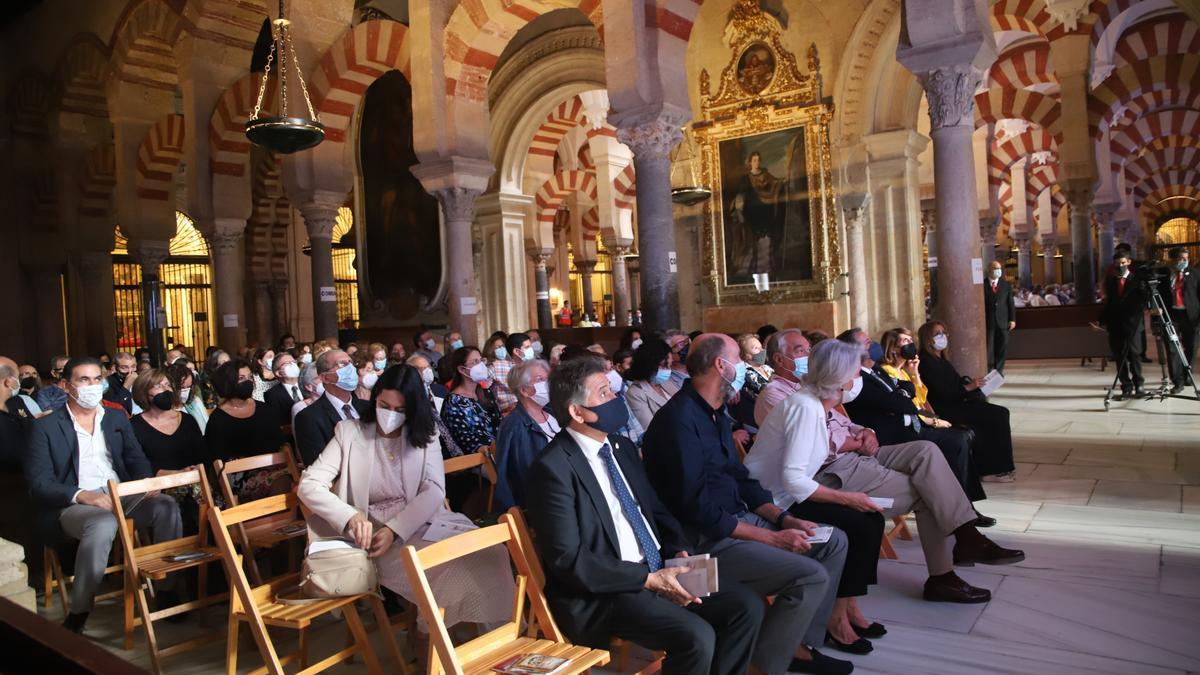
(997, 346)
(716, 636)
(864, 531)
(992, 451)
(1129, 371)
(956, 448)
(1188, 332)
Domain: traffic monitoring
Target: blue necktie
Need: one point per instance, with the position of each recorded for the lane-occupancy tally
(632, 513)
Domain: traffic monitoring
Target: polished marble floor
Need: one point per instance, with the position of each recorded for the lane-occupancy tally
(1107, 508)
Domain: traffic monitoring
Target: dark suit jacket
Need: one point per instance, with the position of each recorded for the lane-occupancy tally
(314, 426)
(577, 540)
(999, 307)
(52, 462)
(882, 410)
(281, 403)
(1123, 313)
(117, 393)
(1191, 293)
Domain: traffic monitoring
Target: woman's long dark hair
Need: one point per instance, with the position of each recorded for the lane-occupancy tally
(419, 426)
(457, 360)
(647, 359)
(627, 337)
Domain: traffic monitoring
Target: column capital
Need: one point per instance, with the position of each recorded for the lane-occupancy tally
(1079, 194)
(1024, 244)
(320, 213)
(150, 254)
(951, 93)
(854, 207)
(618, 248)
(585, 266)
(454, 172)
(1106, 211)
(458, 203)
(226, 234)
(540, 256)
(929, 219)
(652, 131)
(1048, 239)
(988, 227)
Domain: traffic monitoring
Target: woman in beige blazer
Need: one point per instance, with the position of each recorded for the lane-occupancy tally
(380, 481)
(651, 384)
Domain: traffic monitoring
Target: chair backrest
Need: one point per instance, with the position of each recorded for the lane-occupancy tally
(244, 595)
(417, 562)
(133, 552)
(483, 457)
(281, 457)
(741, 449)
(537, 575)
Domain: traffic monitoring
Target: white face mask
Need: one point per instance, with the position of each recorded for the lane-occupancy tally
(291, 371)
(637, 342)
(536, 345)
(185, 393)
(940, 341)
(89, 395)
(389, 420)
(855, 389)
(427, 376)
(614, 381)
(429, 344)
(479, 372)
(306, 358)
(369, 380)
(541, 393)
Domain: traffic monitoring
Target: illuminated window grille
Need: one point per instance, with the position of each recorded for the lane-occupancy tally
(602, 285)
(1183, 232)
(345, 273)
(186, 276)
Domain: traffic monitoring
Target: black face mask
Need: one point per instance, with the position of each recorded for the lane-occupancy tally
(909, 351)
(29, 382)
(245, 389)
(611, 416)
(163, 400)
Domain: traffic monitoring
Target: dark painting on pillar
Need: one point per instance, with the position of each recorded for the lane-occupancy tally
(403, 249)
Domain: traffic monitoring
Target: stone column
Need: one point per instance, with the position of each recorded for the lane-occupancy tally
(951, 93)
(262, 314)
(279, 304)
(100, 334)
(634, 266)
(46, 289)
(1106, 233)
(989, 226)
(854, 208)
(617, 250)
(320, 215)
(151, 255)
(651, 138)
(229, 266)
(541, 283)
(458, 206)
(1079, 198)
(1049, 249)
(1024, 270)
(586, 268)
(929, 219)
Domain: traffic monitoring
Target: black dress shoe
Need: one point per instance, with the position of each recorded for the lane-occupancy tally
(821, 665)
(1146, 359)
(949, 587)
(74, 622)
(983, 521)
(1139, 393)
(1177, 389)
(986, 552)
(875, 631)
(859, 646)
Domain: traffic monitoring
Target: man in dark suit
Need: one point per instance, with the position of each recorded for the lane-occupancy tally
(120, 383)
(1181, 293)
(72, 454)
(287, 393)
(1000, 315)
(1123, 317)
(314, 425)
(603, 535)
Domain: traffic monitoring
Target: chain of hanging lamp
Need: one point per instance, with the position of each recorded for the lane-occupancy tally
(283, 133)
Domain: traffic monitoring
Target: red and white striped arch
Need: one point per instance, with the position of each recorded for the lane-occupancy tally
(1024, 66)
(229, 149)
(1165, 34)
(143, 44)
(97, 183)
(79, 76)
(625, 188)
(994, 105)
(235, 23)
(158, 156)
(557, 187)
(558, 123)
(1106, 12)
(1137, 170)
(479, 30)
(1025, 16)
(359, 57)
(1160, 204)
(1127, 140)
(1010, 150)
(1165, 179)
(591, 223)
(1045, 177)
(1179, 73)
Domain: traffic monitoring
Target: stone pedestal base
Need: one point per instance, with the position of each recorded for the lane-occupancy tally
(14, 576)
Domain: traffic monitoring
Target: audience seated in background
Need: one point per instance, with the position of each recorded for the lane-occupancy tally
(604, 568)
(243, 427)
(470, 415)
(651, 384)
(287, 393)
(787, 352)
(524, 431)
(426, 347)
(189, 400)
(757, 374)
(380, 481)
(118, 387)
(31, 383)
(690, 458)
(518, 348)
(807, 450)
(262, 366)
(445, 441)
(313, 426)
(16, 420)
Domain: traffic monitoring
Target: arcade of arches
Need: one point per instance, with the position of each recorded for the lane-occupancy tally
(486, 162)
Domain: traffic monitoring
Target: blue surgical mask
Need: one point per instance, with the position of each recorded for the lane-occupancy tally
(739, 374)
(347, 377)
(800, 367)
(501, 353)
(380, 364)
(456, 345)
(997, 273)
(661, 377)
(1181, 265)
(875, 352)
(267, 362)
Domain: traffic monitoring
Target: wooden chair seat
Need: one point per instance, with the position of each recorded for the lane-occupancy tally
(157, 565)
(582, 658)
(267, 532)
(298, 616)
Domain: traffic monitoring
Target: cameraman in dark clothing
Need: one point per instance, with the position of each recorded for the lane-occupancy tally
(1180, 289)
(1124, 303)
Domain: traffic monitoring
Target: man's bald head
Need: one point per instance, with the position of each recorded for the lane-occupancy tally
(10, 381)
(706, 349)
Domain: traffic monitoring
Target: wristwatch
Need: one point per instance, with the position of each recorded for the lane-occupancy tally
(779, 519)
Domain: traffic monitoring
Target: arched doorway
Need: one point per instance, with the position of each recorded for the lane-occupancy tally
(1180, 231)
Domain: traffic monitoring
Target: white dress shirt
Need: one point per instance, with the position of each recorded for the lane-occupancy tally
(626, 540)
(791, 447)
(338, 405)
(95, 459)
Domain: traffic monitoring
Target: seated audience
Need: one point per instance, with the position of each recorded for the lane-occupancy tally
(72, 454)
(651, 384)
(518, 348)
(243, 427)
(445, 441)
(807, 451)
(54, 395)
(16, 420)
(119, 385)
(380, 482)
(183, 381)
(31, 383)
(787, 352)
(958, 399)
(214, 360)
(378, 356)
(367, 377)
(679, 344)
(262, 368)
(170, 439)
(310, 390)
(287, 393)
(757, 375)
(690, 458)
(468, 412)
(524, 431)
(313, 426)
(604, 569)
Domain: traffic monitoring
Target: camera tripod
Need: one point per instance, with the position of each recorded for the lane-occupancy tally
(1166, 338)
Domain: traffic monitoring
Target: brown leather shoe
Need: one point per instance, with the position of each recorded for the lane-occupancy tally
(986, 552)
(949, 587)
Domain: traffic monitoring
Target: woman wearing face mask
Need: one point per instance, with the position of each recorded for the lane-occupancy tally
(631, 339)
(367, 375)
(183, 381)
(380, 481)
(524, 432)
(958, 399)
(757, 370)
(651, 384)
(379, 357)
(263, 369)
(243, 427)
(171, 439)
(902, 361)
(470, 417)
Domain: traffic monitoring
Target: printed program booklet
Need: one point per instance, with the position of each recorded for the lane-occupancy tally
(701, 578)
(531, 664)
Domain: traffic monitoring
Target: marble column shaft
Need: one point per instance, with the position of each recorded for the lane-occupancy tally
(1024, 262)
(541, 288)
(621, 305)
(99, 329)
(319, 219)
(1106, 232)
(586, 268)
(458, 206)
(229, 267)
(151, 255)
(1049, 263)
(854, 207)
(1082, 252)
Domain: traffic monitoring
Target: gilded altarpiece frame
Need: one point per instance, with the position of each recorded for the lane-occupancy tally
(764, 118)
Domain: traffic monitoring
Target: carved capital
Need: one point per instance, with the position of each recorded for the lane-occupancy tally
(320, 215)
(1049, 240)
(1023, 242)
(951, 93)
(540, 257)
(226, 235)
(150, 255)
(1067, 12)
(988, 227)
(929, 219)
(585, 266)
(653, 135)
(1106, 212)
(1079, 195)
(458, 203)
(854, 207)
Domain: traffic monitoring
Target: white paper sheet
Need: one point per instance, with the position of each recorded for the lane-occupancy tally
(991, 382)
(883, 502)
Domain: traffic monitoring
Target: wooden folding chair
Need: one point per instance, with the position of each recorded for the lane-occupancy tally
(146, 564)
(537, 577)
(483, 457)
(262, 606)
(480, 655)
(887, 550)
(269, 531)
(53, 578)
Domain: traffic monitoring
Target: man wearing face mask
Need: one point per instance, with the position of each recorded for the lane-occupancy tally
(518, 348)
(283, 396)
(397, 354)
(72, 455)
(1181, 293)
(605, 573)
(787, 353)
(437, 396)
(690, 458)
(1123, 318)
(120, 383)
(425, 347)
(15, 418)
(314, 425)
(54, 395)
(31, 383)
(1000, 314)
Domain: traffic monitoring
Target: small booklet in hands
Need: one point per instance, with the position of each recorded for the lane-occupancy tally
(701, 578)
(821, 535)
(991, 382)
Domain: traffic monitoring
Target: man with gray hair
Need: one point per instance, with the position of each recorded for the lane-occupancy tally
(787, 354)
(689, 455)
(54, 396)
(314, 425)
(120, 383)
